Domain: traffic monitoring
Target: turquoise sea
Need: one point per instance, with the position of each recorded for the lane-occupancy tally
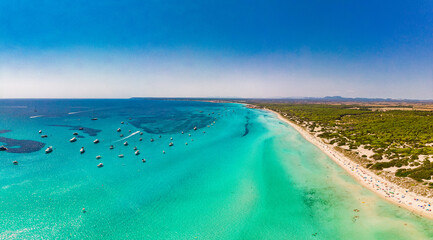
(246, 176)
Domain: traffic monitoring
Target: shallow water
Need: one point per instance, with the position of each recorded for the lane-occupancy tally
(249, 176)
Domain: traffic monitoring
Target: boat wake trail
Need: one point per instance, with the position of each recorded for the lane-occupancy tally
(71, 113)
(130, 135)
(36, 116)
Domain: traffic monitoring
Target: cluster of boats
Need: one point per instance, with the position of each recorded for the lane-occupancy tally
(96, 141)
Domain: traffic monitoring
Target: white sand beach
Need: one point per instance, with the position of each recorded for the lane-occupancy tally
(384, 188)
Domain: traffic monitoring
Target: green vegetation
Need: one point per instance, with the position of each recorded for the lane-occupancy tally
(397, 137)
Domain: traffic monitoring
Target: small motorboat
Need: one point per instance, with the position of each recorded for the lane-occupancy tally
(15, 162)
(75, 133)
(141, 139)
(189, 134)
(44, 136)
(163, 152)
(100, 165)
(82, 150)
(119, 130)
(98, 157)
(186, 143)
(182, 132)
(151, 140)
(80, 128)
(111, 147)
(135, 148)
(121, 135)
(40, 131)
(49, 149)
(141, 133)
(74, 139)
(170, 144)
(143, 160)
(195, 128)
(171, 138)
(120, 155)
(208, 126)
(159, 136)
(126, 143)
(122, 122)
(137, 152)
(3, 148)
(96, 141)
(94, 119)
(129, 130)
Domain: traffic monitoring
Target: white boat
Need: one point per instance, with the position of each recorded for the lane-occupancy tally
(186, 143)
(3, 148)
(82, 150)
(126, 143)
(171, 138)
(135, 148)
(143, 160)
(98, 157)
(151, 140)
(137, 152)
(100, 165)
(163, 152)
(122, 122)
(120, 155)
(75, 133)
(49, 149)
(195, 128)
(141, 133)
(40, 131)
(96, 141)
(119, 130)
(15, 162)
(170, 144)
(73, 139)
(111, 146)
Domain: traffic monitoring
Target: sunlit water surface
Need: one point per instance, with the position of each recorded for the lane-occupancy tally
(249, 176)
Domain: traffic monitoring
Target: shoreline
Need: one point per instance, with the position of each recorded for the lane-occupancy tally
(385, 189)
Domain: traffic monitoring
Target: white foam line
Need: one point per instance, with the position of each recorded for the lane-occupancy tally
(70, 113)
(36, 116)
(130, 135)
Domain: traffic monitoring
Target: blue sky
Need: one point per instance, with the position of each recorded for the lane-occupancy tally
(216, 48)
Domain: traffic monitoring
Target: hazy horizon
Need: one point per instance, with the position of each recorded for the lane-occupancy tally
(261, 49)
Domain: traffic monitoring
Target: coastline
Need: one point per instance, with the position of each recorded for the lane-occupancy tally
(385, 189)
